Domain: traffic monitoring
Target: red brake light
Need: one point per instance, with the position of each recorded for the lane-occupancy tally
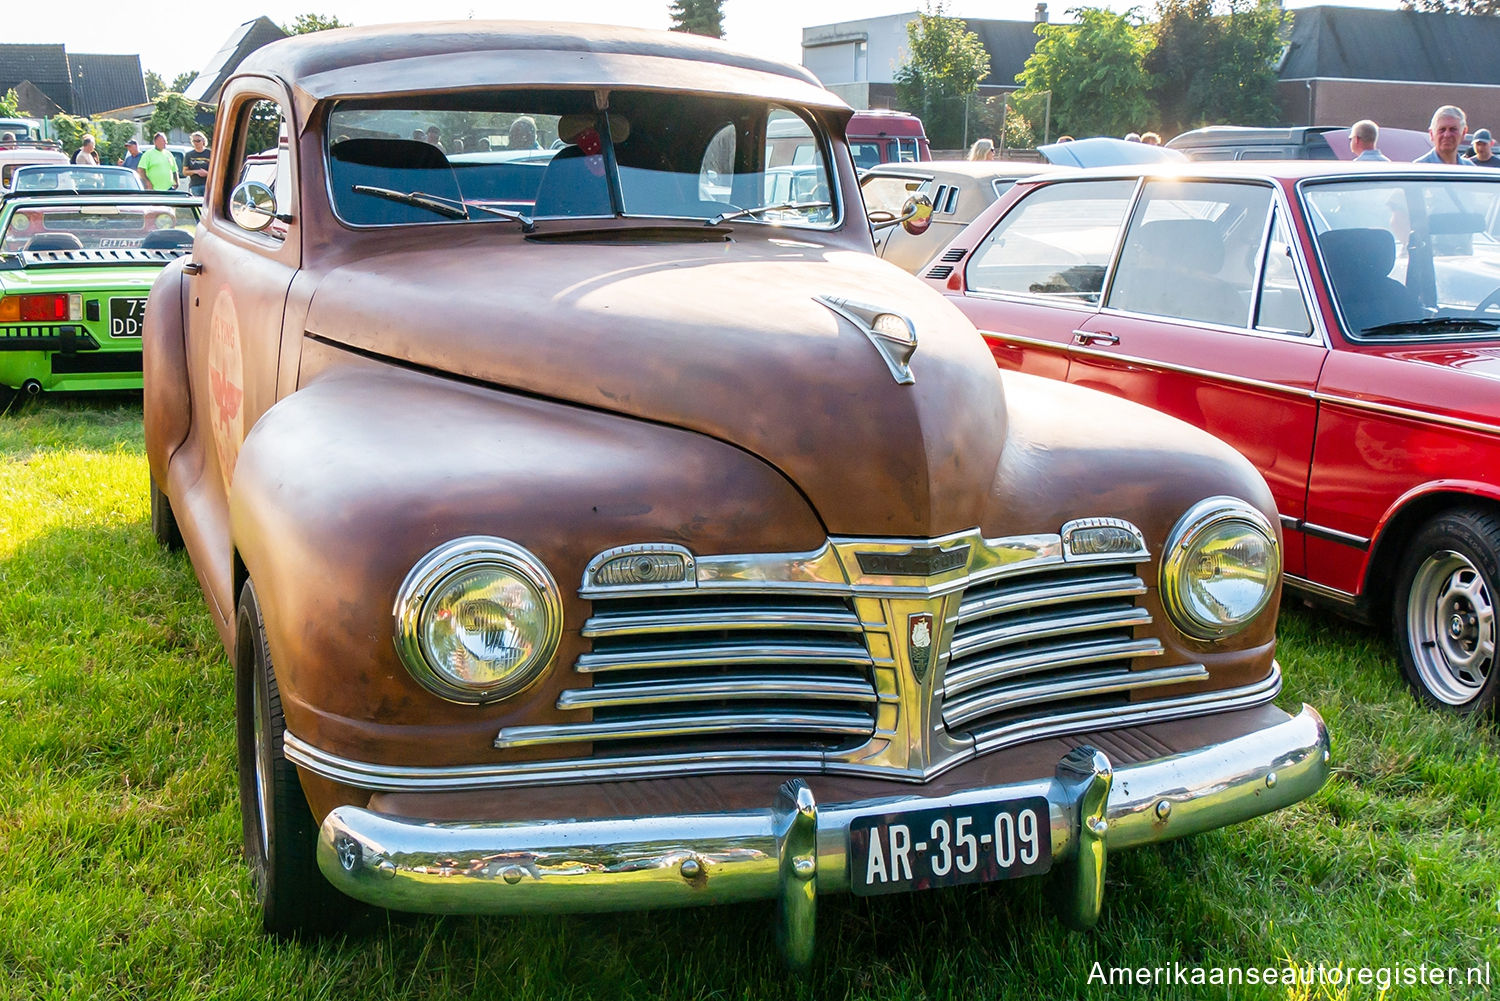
(59, 308)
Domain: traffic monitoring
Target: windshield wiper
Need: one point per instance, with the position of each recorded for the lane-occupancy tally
(782, 206)
(450, 207)
(1453, 324)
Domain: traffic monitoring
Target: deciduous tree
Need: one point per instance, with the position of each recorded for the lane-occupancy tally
(698, 17)
(1453, 6)
(304, 24)
(1095, 69)
(155, 85)
(945, 62)
(1214, 62)
(182, 81)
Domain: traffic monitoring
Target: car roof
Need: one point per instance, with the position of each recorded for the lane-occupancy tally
(463, 55)
(1284, 170)
(979, 169)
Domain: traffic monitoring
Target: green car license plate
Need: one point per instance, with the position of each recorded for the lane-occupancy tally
(946, 846)
(125, 316)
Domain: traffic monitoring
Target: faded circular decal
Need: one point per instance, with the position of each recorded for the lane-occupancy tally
(226, 384)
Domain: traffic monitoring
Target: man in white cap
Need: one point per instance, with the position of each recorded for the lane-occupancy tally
(1484, 150)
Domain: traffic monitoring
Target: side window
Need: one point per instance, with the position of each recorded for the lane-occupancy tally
(264, 154)
(1055, 243)
(1192, 250)
(1281, 306)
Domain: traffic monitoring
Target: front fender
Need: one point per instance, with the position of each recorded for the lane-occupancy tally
(165, 405)
(342, 486)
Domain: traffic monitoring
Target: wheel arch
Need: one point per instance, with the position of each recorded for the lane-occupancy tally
(1404, 520)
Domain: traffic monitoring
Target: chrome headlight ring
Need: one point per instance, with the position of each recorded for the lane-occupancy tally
(477, 619)
(1219, 569)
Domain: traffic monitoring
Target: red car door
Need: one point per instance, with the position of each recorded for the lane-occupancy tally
(1207, 319)
(1038, 274)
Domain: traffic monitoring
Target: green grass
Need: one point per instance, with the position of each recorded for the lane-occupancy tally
(121, 876)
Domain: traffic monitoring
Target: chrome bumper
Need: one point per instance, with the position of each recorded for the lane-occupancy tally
(796, 848)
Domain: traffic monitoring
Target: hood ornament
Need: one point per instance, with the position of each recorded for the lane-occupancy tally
(893, 334)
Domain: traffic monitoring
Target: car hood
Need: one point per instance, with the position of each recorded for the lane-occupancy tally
(727, 339)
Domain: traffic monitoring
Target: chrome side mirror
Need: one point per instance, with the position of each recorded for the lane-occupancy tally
(252, 206)
(915, 217)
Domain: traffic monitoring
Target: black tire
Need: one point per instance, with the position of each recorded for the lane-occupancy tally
(1445, 616)
(280, 836)
(163, 521)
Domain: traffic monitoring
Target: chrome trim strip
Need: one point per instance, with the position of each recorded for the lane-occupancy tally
(723, 654)
(1006, 632)
(780, 687)
(1334, 535)
(1054, 593)
(720, 620)
(961, 711)
(1237, 380)
(993, 669)
(1322, 590)
(825, 721)
(402, 778)
(628, 863)
(1418, 415)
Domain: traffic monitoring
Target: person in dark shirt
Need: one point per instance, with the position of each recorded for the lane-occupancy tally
(132, 154)
(1484, 151)
(195, 163)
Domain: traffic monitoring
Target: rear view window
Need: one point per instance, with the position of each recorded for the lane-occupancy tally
(1056, 243)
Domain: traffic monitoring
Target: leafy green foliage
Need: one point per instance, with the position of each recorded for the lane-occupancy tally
(945, 63)
(304, 24)
(1214, 62)
(1453, 6)
(698, 17)
(1096, 72)
(110, 135)
(173, 111)
(10, 104)
(155, 87)
(182, 81)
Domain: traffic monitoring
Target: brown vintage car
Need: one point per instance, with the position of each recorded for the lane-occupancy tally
(588, 533)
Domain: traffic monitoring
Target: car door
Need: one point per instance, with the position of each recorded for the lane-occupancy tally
(1038, 274)
(1207, 318)
(239, 280)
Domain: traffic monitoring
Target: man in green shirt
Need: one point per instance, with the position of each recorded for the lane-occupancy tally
(157, 167)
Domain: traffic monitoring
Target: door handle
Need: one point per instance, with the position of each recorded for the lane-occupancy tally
(1094, 337)
(192, 268)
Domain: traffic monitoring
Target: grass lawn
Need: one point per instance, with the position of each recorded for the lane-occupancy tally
(121, 876)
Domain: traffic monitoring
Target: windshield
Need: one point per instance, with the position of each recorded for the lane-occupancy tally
(75, 179)
(549, 154)
(35, 226)
(1411, 259)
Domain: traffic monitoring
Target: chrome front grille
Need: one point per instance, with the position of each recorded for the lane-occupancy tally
(783, 669)
(1050, 642)
(897, 658)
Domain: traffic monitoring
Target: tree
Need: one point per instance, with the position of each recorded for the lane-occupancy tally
(173, 111)
(155, 86)
(1214, 62)
(10, 104)
(944, 65)
(1453, 6)
(698, 17)
(181, 81)
(1095, 70)
(306, 24)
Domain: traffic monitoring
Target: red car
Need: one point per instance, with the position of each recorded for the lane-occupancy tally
(1339, 324)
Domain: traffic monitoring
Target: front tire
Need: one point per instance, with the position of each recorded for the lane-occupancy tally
(163, 521)
(1445, 617)
(280, 836)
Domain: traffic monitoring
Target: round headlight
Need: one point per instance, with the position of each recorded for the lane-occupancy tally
(1220, 568)
(477, 619)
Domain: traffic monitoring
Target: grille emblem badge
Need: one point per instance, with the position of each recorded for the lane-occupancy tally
(919, 643)
(918, 561)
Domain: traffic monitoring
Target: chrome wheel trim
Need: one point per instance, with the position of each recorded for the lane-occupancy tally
(262, 753)
(1450, 623)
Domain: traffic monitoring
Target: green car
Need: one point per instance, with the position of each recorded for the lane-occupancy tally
(75, 271)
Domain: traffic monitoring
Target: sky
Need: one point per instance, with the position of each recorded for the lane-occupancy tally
(175, 37)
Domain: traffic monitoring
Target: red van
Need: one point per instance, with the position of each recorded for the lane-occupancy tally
(886, 137)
